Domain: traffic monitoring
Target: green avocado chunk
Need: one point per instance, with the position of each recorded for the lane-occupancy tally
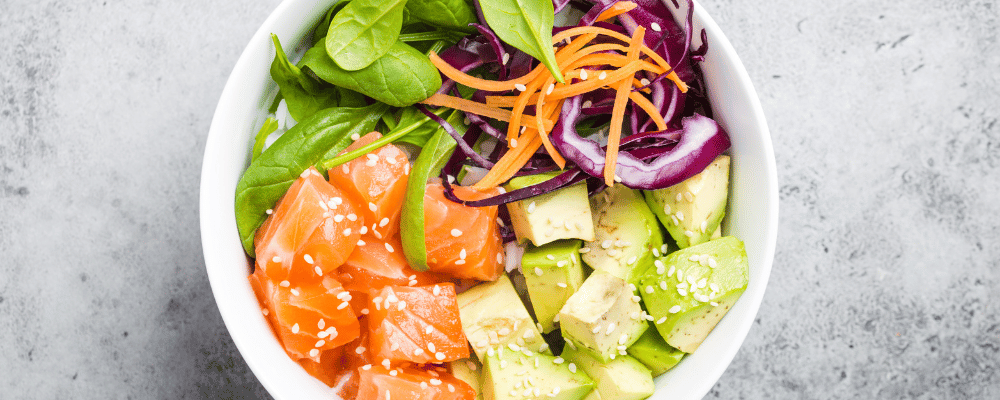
(510, 375)
(493, 316)
(692, 210)
(468, 370)
(562, 214)
(626, 234)
(552, 272)
(654, 352)
(602, 315)
(624, 378)
(689, 291)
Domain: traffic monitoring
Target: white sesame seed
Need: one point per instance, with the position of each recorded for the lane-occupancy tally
(460, 262)
(276, 259)
(295, 292)
(670, 272)
(674, 309)
(313, 353)
(401, 305)
(549, 90)
(388, 247)
(366, 367)
(418, 352)
(436, 382)
(364, 311)
(499, 258)
(584, 250)
(343, 305)
(636, 299)
(602, 76)
(644, 82)
(663, 285)
(680, 215)
(264, 311)
(631, 260)
(385, 363)
(361, 242)
(456, 233)
(363, 230)
(682, 292)
(269, 211)
(295, 328)
(520, 87)
(347, 232)
(688, 233)
(284, 284)
(712, 263)
(338, 218)
(655, 26)
(680, 274)
(538, 271)
(606, 244)
(504, 60)
(583, 76)
(320, 343)
(611, 328)
(714, 304)
(649, 289)
(572, 368)
(355, 137)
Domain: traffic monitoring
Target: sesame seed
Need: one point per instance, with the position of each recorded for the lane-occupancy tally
(714, 304)
(295, 328)
(347, 232)
(504, 60)
(558, 360)
(584, 250)
(663, 285)
(364, 311)
(372, 206)
(366, 367)
(437, 290)
(504, 331)
(295, 292)
(276, 259)
(712, 263)
(550, 257)
(611, 328)
(602, 76)
(670, 272)
(361, 242)
(284, 284)
(636, 299)
(355, 137)
(313, 353)
(674, 309)
(704, 226)
(655, 26)
(680, 274)
(606, 244)
(320, 343)
(338, 218)
(385, 363)
(572, 368)
(401, 305)
(656, 252)
(456, 233)
(538, 271)
(377, 235)
(333, 332)
(499, 258)
(649, 289)
(418, 352)
(688, 233)
(648, 317)
(269, 211)
(264, 311)
(680, 215)
(682, 292)
(549, 90)
(460, 262)
(388, 247)
(550, 232)
(673, 218)
(363, 230)
(644, 82)
(462, 254)
(618, 178)
(520, 87)
(343, 305)
(631, 260)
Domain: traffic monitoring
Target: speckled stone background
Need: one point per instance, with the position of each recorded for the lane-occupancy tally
(886, 282)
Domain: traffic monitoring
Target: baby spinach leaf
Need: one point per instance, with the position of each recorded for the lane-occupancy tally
(303, 94)
(270, 125)
(324, 26)
(451, 14)
(526, 25)
(430, 161)
(312, 140)
(401, 77)
(363, 31)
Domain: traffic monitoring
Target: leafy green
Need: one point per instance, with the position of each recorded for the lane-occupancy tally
(303, 94)
(270, 125)
(526, 25)
(324, 26)
(363, 31)
(427, 128)
(430, 161)
(413, 130)
(452, 14)
(312, 140)
(402, 77)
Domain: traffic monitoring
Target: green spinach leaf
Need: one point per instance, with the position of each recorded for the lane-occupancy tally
(415, 130)
(430, 161)
(270, 125)
(400, 78)
(363, 31)
(451, 14)
(312, 140)
(527, 25)
(303, 94)
(324, 26)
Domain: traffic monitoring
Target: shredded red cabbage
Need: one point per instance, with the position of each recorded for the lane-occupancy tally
(462, 145)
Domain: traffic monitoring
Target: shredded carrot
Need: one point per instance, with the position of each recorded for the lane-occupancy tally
(618, 111)
(544, 133)
(518, 155)
(616, 9)
(473, 107)
(580, 30)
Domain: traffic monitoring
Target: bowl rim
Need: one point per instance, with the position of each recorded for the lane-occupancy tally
(209, 223)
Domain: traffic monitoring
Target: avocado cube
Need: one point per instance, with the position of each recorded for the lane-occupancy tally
(623, 378)
(468, 370)
(493, 316)
(626, 233)
(654, 352)
(690, 290)
(552, 272)
(562, 214)
(509, 375)
(693, 209)
(602, 315)
(594, 395)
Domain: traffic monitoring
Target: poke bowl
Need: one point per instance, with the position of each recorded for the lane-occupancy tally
(249, 98)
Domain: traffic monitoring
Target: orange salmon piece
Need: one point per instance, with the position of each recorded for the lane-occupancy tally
(373, 266)
(304, 232)
(411, 383)
(378, 181)
(417, 324)
(462, 242)
(307, 319)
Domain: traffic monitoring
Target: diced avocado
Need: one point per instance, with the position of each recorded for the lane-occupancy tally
(493, 316)
(594, 395)
(697, 287)
(623, 378)
(654, 352)
(692, 210)
(625, 233)
(553, 272)
(513, 375)
(602, 315)
(718, 232)
(468, 370)
(562, 214)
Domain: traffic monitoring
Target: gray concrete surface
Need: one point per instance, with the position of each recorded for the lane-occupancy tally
(886, 282)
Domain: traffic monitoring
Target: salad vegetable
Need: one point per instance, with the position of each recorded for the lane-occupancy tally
(457, 175)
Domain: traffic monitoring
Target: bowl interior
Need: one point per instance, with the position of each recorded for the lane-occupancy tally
(243, 106)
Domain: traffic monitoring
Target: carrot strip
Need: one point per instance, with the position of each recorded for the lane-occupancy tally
(518, 155)
(649, 108)
(544, 133)
(473, 107)
(618, 110)
(615, 10)
(580, 30)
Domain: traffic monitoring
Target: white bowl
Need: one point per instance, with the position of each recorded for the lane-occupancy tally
(753, 207)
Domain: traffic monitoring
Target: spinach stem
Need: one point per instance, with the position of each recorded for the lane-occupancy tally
(392, 136)
(437, 46)
(425, 36)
